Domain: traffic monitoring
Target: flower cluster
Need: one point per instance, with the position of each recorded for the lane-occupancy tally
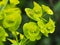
(34, 30)
(10, 17)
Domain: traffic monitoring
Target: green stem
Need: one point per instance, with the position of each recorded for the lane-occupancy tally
(16, 38)
(15, 35)
(27, 42)
(44, 19)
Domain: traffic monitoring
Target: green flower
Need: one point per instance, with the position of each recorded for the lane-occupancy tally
(12, 19)
(50, 26)
(42, 26)
(34, 13)
(31, 31)
(46, 28)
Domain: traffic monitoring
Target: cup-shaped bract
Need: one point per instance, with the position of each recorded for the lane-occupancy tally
(42, 26)
(31, 31)
(50, 26)
(12, 18)
(46, 28)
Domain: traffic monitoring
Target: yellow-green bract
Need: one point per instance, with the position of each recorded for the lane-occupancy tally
(10, 15)
(14, 2)
(50, 26)
(46, 28)
(2, 2)
(47, 9)
(37, 14)
(31, 31)
(12, 18)
(34, 13)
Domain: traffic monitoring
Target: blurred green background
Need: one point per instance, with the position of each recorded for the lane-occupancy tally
(53, 39)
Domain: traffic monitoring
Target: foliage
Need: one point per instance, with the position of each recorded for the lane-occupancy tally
(43, 25)
(10, 20)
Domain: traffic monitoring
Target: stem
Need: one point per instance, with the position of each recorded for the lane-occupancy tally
(16, 38)
(27, 42)
(15, 35)
(44, 19)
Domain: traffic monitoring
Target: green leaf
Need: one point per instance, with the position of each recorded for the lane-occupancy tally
(47, 9)
(31, 31)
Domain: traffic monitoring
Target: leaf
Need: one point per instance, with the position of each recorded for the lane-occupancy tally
(47, 9)
(31, 31)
